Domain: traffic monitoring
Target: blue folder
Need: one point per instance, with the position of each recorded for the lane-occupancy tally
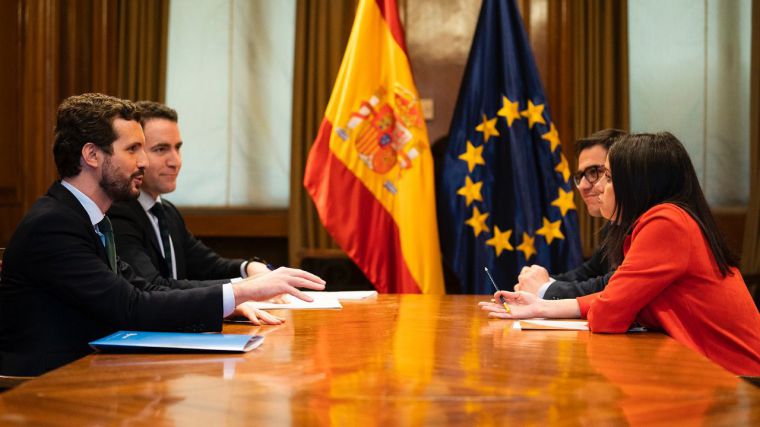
(141, 341)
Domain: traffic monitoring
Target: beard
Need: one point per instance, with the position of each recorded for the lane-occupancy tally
(117, 186)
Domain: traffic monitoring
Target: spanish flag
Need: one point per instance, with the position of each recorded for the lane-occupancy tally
(370, 171)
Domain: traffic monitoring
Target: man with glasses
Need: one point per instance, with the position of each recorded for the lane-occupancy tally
(592, 275)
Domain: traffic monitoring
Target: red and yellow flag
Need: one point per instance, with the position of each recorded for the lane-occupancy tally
(370, 171)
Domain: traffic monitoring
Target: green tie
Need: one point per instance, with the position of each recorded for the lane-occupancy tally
(105, 228)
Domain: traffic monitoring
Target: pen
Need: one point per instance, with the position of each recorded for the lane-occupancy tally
(501, 297)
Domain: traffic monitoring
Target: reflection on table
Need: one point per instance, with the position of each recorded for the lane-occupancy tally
(396, 359)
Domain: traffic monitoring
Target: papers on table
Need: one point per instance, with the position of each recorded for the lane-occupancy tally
(352, 295)
(560, 325)
(322, 300)
(553, 325)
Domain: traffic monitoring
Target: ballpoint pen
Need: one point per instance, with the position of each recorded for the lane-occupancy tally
(501, 297)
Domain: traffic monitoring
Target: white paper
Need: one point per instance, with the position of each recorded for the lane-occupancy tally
(569, 325)
(352, 295)
(322, 300)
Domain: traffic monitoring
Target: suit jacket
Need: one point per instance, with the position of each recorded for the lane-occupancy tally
(137, 244)
(590, 277)
(58, 291)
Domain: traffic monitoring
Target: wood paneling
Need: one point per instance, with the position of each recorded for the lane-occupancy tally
(731, 221)
(222, 222)
(56, 48)
(10, 76)
(10, 150)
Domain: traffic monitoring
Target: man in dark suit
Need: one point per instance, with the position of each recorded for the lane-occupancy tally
(591, 276)
(62, 283)
(150, 232)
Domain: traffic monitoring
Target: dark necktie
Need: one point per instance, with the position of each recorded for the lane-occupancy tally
(104, 226)
(163, 228)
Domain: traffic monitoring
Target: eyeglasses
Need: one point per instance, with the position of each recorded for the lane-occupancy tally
(591, 173)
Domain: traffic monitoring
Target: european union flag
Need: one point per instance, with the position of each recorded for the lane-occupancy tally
(504, 196)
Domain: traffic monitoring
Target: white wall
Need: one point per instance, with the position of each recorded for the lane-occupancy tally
(230, 78)
(689, 74)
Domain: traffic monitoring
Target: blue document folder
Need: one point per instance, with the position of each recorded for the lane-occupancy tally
(141, 341)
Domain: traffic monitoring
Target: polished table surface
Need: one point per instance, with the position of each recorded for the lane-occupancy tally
(396, 360)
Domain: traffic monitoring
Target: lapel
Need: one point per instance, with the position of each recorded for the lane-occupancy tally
(177, 233)
(60, 193)
(149, 233)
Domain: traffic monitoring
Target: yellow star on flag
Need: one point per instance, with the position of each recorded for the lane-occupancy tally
(500, 240)
(478, 221)
(534, 113)
(528, 246)
(473, 156)
(509, 110)
(471, 190)
(551, 230)
(488, 127)
(564, 201)
(563, 168)
(553, 137)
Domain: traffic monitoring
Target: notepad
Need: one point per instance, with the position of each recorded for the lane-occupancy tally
(167, 342)
(560, 325)
(322, 300)
(552, 325)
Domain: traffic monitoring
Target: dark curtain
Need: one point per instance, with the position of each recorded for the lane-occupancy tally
(599, 34)
(751, 247)
(322, 31)
(143, 28)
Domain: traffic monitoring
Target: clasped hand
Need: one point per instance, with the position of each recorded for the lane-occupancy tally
(531, 278)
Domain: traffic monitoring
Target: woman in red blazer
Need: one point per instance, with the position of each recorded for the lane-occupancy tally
(674, 270)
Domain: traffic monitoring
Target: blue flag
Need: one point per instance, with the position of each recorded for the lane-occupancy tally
(505, 198)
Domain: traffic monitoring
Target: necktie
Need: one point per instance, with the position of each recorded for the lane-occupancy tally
(163, 228)
(104, 226)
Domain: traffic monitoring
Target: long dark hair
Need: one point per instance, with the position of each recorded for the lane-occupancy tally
(649, 169)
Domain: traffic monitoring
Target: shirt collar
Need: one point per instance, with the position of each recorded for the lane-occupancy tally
(147, 201)
(93, 211)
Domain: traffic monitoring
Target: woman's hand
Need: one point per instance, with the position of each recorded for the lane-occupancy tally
(522, 305)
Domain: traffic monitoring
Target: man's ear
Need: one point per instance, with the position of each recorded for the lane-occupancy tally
(91, 155)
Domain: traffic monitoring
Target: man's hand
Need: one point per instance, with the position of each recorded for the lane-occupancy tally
(256, 316)
(255, 268)
(281, 281)
(531, 279)
(279, 299)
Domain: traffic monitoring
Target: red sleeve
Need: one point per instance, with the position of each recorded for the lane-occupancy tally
(584, 303)
(659, 253)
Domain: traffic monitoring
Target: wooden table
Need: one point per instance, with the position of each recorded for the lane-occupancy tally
(396, 360)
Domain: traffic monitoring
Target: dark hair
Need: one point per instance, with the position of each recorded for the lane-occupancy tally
(650, 169)
(87, 118)
(155, 110)
(604, 137)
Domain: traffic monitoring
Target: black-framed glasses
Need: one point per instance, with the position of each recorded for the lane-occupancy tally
(591, 173)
